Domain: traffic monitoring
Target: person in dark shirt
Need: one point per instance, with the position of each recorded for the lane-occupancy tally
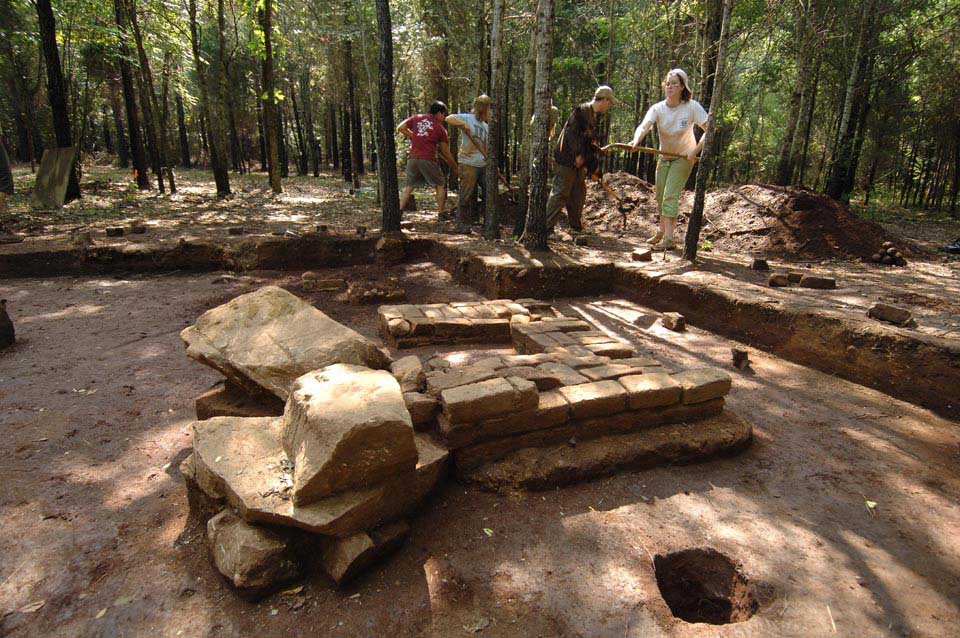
(575, 155)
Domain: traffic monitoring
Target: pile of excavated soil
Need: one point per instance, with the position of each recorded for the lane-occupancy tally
(776, 221)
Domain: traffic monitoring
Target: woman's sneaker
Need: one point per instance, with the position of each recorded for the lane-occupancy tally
(655, 239)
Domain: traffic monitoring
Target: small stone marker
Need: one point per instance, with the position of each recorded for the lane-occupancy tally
(778, 280)
(759, 264)
(794, 277)
(361, 231)
(235, 230)
(642, 254)
(674, 321)
(53, 177)
(115, 231)
(582, 240)
(819, 283)
(741, 358)
(138, 228)
(890, 314)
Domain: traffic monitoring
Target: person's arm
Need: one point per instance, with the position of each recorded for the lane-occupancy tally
(453, 120)
(701, 116)
(448, 158)
(579, 129)
(641, 133)
(404, 130)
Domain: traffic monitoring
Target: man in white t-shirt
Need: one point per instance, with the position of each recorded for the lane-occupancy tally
(472, 157)
(674, 117)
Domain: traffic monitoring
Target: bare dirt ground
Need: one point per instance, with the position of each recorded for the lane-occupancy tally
(843, 511)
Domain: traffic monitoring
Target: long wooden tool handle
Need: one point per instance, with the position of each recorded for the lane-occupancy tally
(644, 149)
(466, 130)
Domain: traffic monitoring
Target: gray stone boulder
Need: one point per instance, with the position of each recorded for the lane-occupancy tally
(346, 427)
(254, 559)
(264, 340)
(243, 459)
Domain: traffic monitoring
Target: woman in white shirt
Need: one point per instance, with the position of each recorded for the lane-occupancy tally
(675, 117)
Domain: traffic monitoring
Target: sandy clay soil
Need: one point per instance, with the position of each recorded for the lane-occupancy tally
(843, 513)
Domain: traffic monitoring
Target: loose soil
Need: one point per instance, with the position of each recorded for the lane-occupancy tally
(753, 219)
(842, 513)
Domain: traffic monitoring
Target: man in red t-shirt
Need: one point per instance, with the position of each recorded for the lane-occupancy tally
(426, 133)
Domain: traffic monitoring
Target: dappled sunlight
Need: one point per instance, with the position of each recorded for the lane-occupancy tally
(72, 311)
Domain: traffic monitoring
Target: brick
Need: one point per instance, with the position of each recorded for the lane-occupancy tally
(454, 329)
(551, 411)
(494, 330)
(570, 351)
(595, 399)
(890, 314)
(561, 338)
(543, 380)
(565, 374)
(613, 350)
(511, 360)
(423, 410)
(589, 361)
(778, 280)
(820, 283)
(587, 340)
(674, 321)
(487, 399)
(566, 324)
(409, 373)
(703, 384)
(540, 342)
(609, 371)
(640, 362)
(439, 381)
(651, 390)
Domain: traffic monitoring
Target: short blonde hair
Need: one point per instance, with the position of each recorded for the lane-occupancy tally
(481, 104)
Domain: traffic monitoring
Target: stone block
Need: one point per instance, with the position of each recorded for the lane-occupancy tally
(453, 330)
(344, 559)
(570, 351)
(423, 410)
(890, 314)
(651, 390)
(442, 380)
(540, 342)
(53, 177)
(642, 254)
(115, 231)
(346, 427)
(433, 461)
(513, 360)
(203, 505)
(609, 371)
(552, 410)
(759, 264)
(230, 400)
(703, 384)
(595, 399)
(328, 284)
(674, 321)
(244, 459)
(778, 280)
(565, 324)
(614, 350)
(254, 559)
(487, 399)
(794, 277)
(543, 380)
(491, 330)
(589, 361)
(409, 373)
(265, 339)
(563, 373)
(820, 283)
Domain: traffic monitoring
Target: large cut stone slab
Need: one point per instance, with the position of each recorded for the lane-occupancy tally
(703, 384)
(244, 459)
(345, 427)
(488, 399)
(265, 339)
(651, 390)
(549, 467)
(344, 559)
(254, 559)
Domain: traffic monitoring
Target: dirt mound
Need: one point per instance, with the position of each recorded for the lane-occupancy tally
(789, 223)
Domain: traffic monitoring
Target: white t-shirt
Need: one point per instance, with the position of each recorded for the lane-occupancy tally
(469, 154)
(675, 125)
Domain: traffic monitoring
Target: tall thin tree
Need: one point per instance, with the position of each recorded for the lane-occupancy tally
(387, 172)
(495, 144)
(270, 113)
(692, 240)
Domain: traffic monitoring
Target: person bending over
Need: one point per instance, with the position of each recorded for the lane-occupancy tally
(426, 134)
(472, 157)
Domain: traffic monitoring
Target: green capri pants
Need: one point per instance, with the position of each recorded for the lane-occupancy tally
(671, 176)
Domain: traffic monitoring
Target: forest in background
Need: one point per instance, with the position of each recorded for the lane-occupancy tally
(855, 99)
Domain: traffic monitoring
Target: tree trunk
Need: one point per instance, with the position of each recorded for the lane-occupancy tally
(491, 228)
(334, 146)
(56, 92)
(837, 186)
(218, 162)
(809, 103)
(156, 136)
(353, 111)
(346, 163)
(387, 172)
(265, 19)
(261, 137)
(535, 231)
(706, 155)
(805, 53)
(436, 54)
(123, 147)
(184, 140)
(282, 141)
(302, 160)
(308, 118)
(529, 72)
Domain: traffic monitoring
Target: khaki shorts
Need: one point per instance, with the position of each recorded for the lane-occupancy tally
(421, 172)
